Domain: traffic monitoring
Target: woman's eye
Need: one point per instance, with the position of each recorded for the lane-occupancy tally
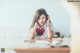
(43, 18)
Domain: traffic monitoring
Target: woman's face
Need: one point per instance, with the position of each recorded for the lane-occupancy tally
(42, 20)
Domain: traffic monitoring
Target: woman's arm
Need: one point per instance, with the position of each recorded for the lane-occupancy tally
(49, 29)
(33, 31)
(50, 32)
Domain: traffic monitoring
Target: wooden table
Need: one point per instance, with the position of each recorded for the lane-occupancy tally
(42, 50)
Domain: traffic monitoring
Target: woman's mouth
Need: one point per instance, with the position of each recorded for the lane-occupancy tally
(42, 22)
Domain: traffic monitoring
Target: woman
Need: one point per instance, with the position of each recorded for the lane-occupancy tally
(41, 27)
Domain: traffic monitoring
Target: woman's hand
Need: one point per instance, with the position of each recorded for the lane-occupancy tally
(48, 21)
(36, 24)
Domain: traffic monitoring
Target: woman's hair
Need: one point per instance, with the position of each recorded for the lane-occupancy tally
(37, 15)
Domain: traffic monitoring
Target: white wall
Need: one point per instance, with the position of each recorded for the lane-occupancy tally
(16, 17)
(74, 9)
(75, 30)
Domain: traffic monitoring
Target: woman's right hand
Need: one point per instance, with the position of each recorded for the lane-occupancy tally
(36, 24)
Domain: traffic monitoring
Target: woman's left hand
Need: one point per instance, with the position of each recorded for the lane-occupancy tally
(48, 21)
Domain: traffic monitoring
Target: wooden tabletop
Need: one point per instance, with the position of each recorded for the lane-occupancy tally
(42, 49)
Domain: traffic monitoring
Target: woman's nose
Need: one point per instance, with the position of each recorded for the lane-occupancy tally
(42, 20)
